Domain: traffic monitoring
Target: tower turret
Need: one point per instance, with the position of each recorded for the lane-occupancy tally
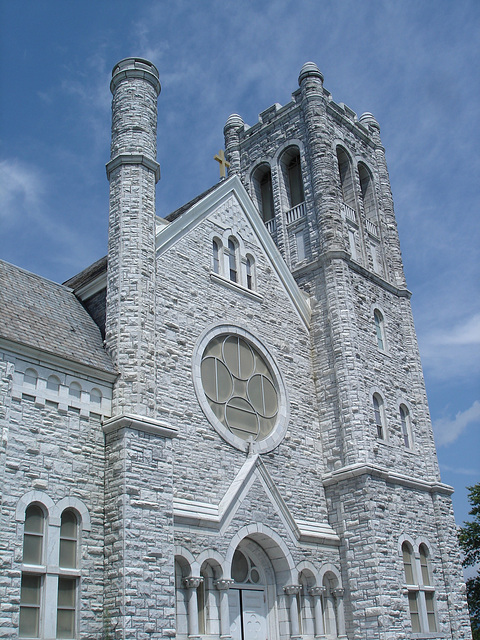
(133, 172)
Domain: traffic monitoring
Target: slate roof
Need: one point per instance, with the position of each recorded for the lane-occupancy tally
(47, 316)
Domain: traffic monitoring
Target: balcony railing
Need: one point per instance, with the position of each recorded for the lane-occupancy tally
(348, 212)
(372, 228)
(295, 213)
(271, 226)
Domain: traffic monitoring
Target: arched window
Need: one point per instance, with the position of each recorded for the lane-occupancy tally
(292, 172)
(30, 377)
(38, 598)
(378, 410)
(368, 195)
(32, 583)
(262, 179)
(75, 390)
(53, 384)
(215, 256)
(346, 177)
(406, 426)
(408, 568)
(380, 329)
(232, 260)
(421, 595)
(68, 540)
(96, 396)
(249, 272)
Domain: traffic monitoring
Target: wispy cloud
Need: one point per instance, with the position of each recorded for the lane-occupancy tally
(21, 190)
(448, 429)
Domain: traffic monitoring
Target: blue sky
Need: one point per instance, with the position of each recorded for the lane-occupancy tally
(414, 65)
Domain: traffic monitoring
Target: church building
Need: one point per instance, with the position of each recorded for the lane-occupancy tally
(220, 430)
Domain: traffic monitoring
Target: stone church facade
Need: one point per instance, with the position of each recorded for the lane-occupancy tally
(225, 434)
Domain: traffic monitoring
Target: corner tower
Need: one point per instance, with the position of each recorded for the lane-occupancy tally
(133, 173)
(318, 176)
(138, 448)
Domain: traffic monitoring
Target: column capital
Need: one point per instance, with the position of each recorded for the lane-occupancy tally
(292, 589)
(317, 591)
(192, 582)
(223, 584)
(338, 593)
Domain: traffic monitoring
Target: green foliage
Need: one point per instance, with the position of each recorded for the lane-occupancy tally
(469, 539)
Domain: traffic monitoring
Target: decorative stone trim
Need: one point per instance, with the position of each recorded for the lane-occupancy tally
(133, 158)
(140, 423)
(223, 584)
(192, 582)
(292, 589)
(356, 470)
(317, 591)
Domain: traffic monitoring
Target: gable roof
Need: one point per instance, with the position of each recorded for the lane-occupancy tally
(47, 317)
(209, 201)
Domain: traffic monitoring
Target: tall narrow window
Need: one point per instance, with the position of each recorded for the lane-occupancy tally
(346, 178)
(215, 253)
(68, 540)
(232, 260)
(368, 196)
(408, 567)
(262, 180)
(379, 419)
(295, 181)
(31, 586)
(249, 267)
(380, 329)
(406, 426)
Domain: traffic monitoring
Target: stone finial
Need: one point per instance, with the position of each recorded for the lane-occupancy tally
(309, 70)
(234, 121)
(368, 119)
(135, 68)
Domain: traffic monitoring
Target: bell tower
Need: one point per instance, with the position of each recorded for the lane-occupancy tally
(318, 176)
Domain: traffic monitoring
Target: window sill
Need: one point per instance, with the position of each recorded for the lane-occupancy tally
(215, 277)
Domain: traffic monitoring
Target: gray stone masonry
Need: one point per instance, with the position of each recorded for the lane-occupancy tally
(352, 267)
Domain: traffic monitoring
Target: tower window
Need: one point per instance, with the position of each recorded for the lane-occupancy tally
(262, 179)
(346, 179)
(368, 196)
(295, 181)
(406, 426)
(421, 595)
(378, 410)
(380, 329)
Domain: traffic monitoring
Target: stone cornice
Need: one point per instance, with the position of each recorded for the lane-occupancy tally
(51, 359)
(133, 158)
(401, 292)
(361, 469)
(140, 423)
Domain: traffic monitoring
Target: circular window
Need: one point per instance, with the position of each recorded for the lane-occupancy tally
(238, 387)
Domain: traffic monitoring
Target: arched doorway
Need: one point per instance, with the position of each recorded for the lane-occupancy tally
(252, 594)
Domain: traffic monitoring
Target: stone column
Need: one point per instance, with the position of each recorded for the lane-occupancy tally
(292, 591)
(223, 586)
(192, 583)
(317, 593)
(323, 162)
(338, 595)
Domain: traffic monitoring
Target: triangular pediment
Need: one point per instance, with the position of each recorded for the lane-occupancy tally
(233, 188)
(207, 516)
